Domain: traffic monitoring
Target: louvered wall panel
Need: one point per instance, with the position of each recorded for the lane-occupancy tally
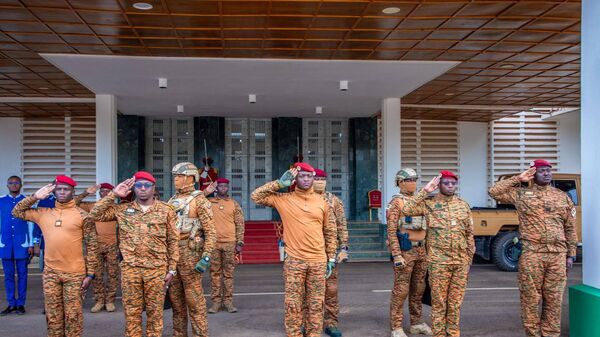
(53, 146)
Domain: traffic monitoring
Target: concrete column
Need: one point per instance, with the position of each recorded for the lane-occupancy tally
(390, 118)
(106, 139)
(584, 300)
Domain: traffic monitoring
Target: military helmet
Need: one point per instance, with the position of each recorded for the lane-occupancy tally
(406, 173)
(186, 169)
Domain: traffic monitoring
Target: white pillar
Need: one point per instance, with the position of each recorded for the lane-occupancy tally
(106, 139)
(390, 120)
(590, 156)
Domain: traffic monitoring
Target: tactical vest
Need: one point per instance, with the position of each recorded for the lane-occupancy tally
(410, 222)
(185, 224)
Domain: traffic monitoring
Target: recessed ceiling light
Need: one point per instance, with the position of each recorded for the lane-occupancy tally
(252, 98)
(344, 85)
(180, 108)
(507, 65)
(391, 10)
(143, 6)
(319, 110)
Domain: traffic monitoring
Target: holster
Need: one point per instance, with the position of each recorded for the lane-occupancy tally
(405, 243)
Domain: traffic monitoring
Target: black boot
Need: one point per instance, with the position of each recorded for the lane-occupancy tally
(8, 310)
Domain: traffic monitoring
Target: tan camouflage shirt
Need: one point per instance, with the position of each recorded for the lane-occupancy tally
(67, 229)
(547, 215)
(200, 208)
(394, 219)
(450, 237)
(146, 239)
(309, 227)
(337, 206)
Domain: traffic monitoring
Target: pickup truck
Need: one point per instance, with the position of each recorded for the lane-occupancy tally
(497, 228)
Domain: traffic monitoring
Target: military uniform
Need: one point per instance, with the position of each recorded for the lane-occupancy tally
(332, 304)
(148, 243)
(197, 239)
(229, 221)
(409, 279)
(309, 233)
(450, 249)
(547, 232)
(67, 229)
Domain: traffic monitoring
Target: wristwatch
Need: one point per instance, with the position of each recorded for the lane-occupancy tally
(573, 257)
(92, 276)
(173, 272)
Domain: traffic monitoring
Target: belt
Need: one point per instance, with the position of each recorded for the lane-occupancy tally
(418, 243)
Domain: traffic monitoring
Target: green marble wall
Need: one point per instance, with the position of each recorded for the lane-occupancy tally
(130, 145)
(213, 130)
(362, 157)
(285, 134)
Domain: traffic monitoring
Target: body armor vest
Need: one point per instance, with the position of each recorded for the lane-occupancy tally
(410, 222)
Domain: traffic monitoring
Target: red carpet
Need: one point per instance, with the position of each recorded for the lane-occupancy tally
(260, 243)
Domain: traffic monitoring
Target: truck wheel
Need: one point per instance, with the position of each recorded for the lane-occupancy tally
(505, 253)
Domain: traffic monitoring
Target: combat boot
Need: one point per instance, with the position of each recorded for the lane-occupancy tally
(421, 329)
(398, 333)
(215, 308)
(97, 307)
(230, 308)
(110, 307)
(333, 331)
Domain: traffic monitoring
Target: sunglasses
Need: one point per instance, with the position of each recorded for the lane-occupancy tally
(447, 183)
(140, 185)
(13, 183)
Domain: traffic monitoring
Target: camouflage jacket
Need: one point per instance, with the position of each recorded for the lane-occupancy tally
(395, 219)
(146, 239)
(450, 237)
(547, 215)
(337, 206)
(198, 208)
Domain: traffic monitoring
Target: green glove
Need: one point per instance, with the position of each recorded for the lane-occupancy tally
(286, 179)
(203, 264)
(330, 267)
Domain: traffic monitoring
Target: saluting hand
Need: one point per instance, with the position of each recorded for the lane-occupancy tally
(288, 177)
(92, 189)
(526, 176)
(44, 192)
(210, 189)
(123, 189)
(433, 184)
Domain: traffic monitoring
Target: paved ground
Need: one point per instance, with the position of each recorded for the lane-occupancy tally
(491, 305)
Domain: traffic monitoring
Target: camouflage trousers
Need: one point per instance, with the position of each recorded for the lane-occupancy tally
(409, 281)
(222, 266)
(143, 287)
(448, 283)
(105, 291)
(187, 295)
(542, 276)
(332, 304)
(304, 285)
(63, 303)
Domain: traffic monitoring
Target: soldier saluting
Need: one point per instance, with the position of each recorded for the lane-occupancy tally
(547, 232)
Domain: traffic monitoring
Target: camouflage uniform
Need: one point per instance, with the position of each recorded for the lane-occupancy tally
(450, 249)
(223, 259)
(62, 288)
(148, 242)
(105, 291)
(409, 279)
(332, 305)
(547, 229)
(197, 238)
(304, 280)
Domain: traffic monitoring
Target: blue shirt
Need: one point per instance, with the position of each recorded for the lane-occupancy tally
(16, 235)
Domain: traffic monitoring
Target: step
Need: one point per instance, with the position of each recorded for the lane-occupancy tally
(261, 239)
(364, 239)
(361, 247)
(260, 232)
(364, 232)
(367, 255)
(261, 225)
(250, 248)
(357, 225)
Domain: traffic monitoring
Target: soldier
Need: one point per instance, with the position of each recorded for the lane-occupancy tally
(148, 243)
(332, 305)
(450, 249)
(406, 235)
(209, 174)
(229, 221)
(309, 232)
(105, 291)
(16, 248)
(549, 240)
(196, 243)
(67, 272)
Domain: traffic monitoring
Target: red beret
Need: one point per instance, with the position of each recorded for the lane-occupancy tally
(143, 175)
(222, 181)
(65, 180)
(304, 167)
(107, 186)
(320, 173)
(448, 174)
(539, 163)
